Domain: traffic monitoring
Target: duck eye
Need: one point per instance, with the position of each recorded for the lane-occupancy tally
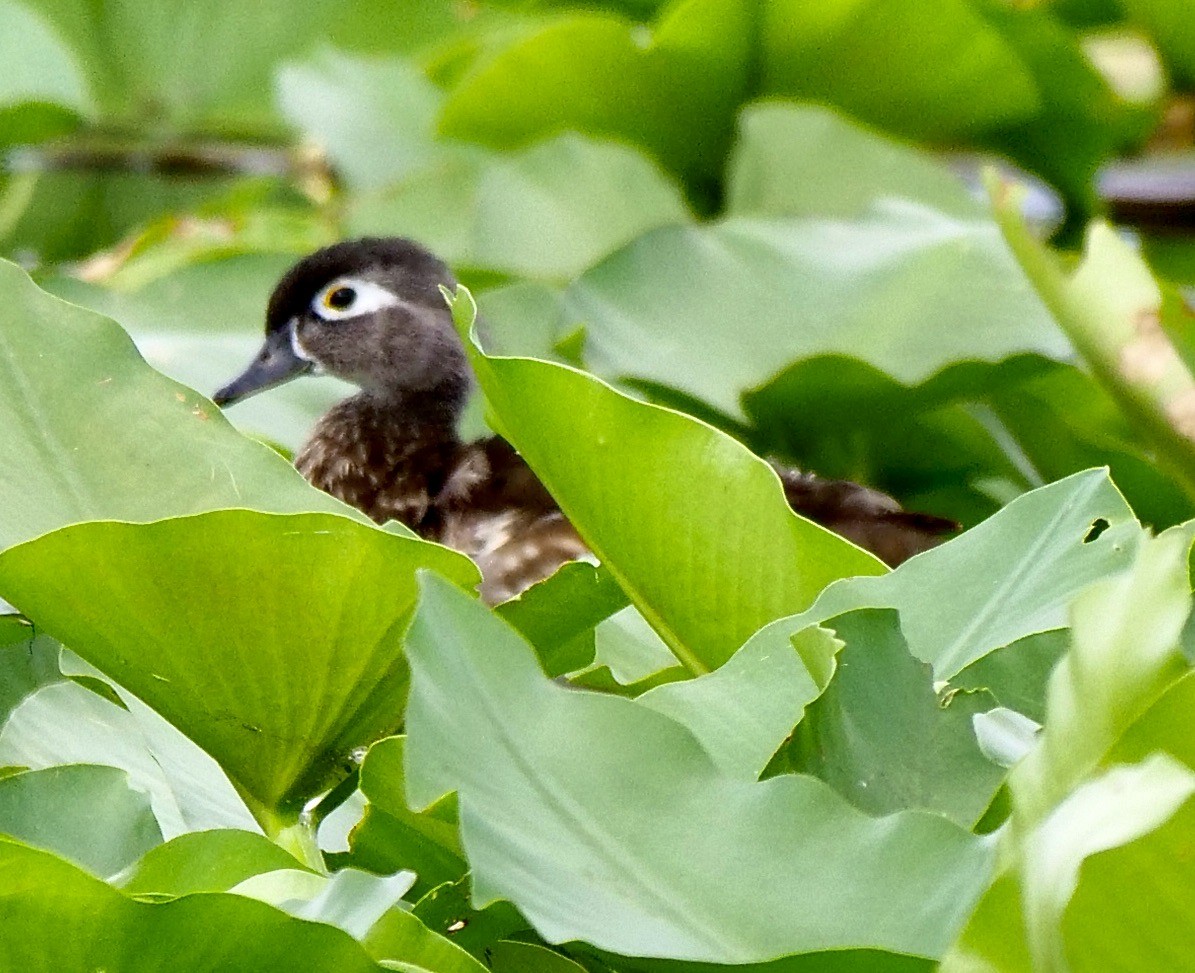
(340, 299)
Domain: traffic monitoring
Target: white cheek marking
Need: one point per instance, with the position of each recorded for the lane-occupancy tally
(297, 347)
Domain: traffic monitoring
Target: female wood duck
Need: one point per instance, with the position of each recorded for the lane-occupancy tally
(370, 311)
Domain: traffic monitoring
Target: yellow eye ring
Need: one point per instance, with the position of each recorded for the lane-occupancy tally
(339, 299)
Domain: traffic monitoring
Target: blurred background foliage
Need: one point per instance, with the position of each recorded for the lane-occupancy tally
(763, 212)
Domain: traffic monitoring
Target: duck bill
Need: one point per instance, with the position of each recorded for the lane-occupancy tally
(275, 363)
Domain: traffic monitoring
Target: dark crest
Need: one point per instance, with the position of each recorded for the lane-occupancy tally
(423, 272)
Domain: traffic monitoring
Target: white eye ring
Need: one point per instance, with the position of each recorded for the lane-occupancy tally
(351, 297)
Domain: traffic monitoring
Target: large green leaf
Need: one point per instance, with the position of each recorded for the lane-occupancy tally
(105, 437)
(55, 918)
(695, 529)
(1012, 576)
(88, 814)
(317, 602)
(602, 820)
(672, 88)
(798, 160)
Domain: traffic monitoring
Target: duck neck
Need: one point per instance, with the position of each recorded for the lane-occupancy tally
(426, 414)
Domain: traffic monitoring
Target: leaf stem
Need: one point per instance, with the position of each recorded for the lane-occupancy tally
(293, 831)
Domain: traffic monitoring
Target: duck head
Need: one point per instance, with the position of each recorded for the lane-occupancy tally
(368, 311)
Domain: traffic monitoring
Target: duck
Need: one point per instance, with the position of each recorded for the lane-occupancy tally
(372, 311)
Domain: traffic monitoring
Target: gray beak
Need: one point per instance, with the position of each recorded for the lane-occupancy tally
(275, 363)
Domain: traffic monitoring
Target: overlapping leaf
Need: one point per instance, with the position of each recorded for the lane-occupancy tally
(603, 820)
(1067, 805)
(85, 813)
(1012, 576)
(317, 602)
(56, 917)
(93, 433)
(694, 528)
(900, 272)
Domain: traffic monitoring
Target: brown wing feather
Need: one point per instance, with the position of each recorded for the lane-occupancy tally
(495, 509)
(871, 519)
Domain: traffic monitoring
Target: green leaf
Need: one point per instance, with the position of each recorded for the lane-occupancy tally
(1113, 811)
(897, 272)
(14, 630)
(399, 935)
(548, 212)
(639, 818)
(66, 723)
(838, 961)
(391, 836)
(1017, 674)
(695, 529)
(1146, 930)
(933, 71)
(558, 615)
(375, 118)
(65, 375)
(199, 325)
(1126, 649)
(90, 815)
(1066, 805)
(788, 161)
(42, 91)
(318, 602)
(58, 918)
(742, 712)
(205, 861)
(447, 910)
(881, 736)
(1012, 576)
(26, 663)
(671, 89)
(508, 956)
(1111, 308)
(349, 899)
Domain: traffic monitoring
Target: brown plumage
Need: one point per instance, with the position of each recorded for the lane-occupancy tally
(479, 498)
(370, 311)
